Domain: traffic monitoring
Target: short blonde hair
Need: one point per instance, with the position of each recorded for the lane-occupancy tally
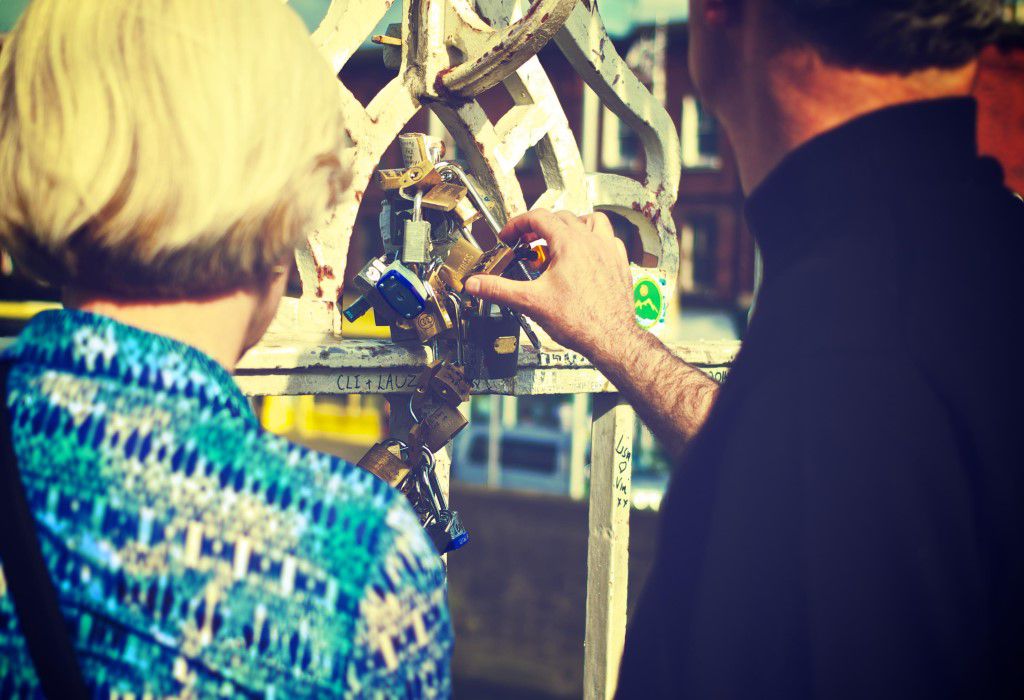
(163, 148)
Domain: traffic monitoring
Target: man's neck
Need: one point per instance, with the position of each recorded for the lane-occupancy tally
(218, 326)
(802, 97)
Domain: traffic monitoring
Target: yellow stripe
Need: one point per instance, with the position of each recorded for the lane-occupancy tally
(24, 310)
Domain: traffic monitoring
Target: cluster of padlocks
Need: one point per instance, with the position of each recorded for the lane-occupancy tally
(416, 288)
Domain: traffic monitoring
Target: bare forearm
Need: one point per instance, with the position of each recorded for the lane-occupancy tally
(671, 397)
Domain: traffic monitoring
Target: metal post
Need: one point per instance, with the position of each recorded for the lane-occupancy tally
(578, 448)
(494, 431)
(608, 548)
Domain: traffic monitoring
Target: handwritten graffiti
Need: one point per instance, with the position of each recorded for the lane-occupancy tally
(623, 465)
(377, 382)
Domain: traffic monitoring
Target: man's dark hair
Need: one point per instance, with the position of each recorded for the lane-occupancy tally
(896, 35)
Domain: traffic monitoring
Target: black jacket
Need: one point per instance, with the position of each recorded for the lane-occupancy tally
(850, 521)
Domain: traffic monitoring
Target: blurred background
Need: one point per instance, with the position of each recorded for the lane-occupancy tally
(520, 471)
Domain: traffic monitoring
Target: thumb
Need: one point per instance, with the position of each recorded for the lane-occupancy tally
(501, 291)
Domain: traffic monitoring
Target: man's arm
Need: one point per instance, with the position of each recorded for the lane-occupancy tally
(584, 302)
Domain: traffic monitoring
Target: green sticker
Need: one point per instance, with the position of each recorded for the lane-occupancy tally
(648, 302)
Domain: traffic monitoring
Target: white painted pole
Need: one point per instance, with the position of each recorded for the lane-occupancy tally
(578, 448)
(608, 548)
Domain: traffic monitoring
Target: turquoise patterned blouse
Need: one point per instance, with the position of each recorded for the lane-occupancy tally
(196, 555)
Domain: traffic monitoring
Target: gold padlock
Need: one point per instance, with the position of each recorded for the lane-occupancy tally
(422, 174)
(435, 318)
(385, 460)
(445, 382)
(466, 212)
(461, 260)
(444, 197)
(438, 428)
(450, 385)
(494, 261)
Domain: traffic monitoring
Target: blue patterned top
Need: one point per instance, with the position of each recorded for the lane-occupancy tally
(197, 555)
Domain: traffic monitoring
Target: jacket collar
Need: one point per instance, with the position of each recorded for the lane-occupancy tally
(847, 178)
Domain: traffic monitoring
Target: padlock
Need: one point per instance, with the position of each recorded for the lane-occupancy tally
(461, 260)
(402, 290)
(466, 212)
(447, 532)
(417, 148)
(388, 461)
(422, 174)
(438, 428)
(368, 277)
(416, 236)
(366, 282)
(390, 234)
(444, 382)
(403, 331)
(444, 197)
(357, 308)
(433, 321)
(414, 148)
(494, 262)
(495, 340)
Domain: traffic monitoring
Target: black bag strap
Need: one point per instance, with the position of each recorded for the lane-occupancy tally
(28, 580)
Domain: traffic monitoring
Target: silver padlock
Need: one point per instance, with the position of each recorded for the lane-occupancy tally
(416, 237)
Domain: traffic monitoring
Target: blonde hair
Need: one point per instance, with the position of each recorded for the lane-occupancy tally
(154, 148)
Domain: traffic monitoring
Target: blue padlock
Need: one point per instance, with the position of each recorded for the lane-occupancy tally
(403, 291)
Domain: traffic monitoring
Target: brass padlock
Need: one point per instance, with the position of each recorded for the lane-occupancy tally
(422, 174)
(444, 197)
(434, 320)
(461, 260)
(450, 385)
(403, 330)
(445, 382)
(438, 428)
(466, 212)
(387, 461)
(494, 262)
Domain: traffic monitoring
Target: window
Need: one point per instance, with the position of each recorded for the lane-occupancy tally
(698, 268)
(620, 146)
(699, 137)
(528, 456)
(478, 450)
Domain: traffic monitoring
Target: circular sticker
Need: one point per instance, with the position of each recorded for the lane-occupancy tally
(648, 302)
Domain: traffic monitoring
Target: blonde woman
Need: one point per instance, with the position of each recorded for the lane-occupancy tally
(160, 161)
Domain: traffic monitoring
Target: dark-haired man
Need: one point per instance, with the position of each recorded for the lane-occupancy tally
(849, 521)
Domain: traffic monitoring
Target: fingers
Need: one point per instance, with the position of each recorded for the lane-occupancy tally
(540, 222)
(501, 291)
(600, 224)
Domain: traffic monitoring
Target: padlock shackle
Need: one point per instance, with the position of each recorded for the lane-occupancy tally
(455, 301)
(402, 446)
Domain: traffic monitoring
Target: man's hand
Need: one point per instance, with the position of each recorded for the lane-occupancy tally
(584, 298)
